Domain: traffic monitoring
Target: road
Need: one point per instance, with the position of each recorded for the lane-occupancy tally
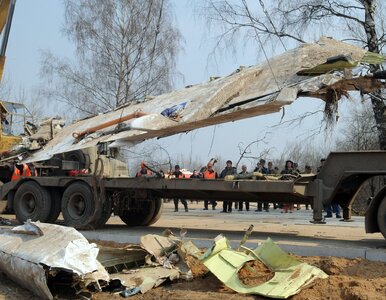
(292, 231)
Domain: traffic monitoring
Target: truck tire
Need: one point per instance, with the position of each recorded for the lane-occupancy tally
(159, 207)
(139, 216)
(78, 205)
(105, 213)
(56, 206)
(381, 217)
(32, 201)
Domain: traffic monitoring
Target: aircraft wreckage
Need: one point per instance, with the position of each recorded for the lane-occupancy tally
(327, 70)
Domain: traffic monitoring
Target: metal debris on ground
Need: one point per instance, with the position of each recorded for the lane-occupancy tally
(115, 259)
(41, 256)
(146, 278)
(36, 255)
(290, 275)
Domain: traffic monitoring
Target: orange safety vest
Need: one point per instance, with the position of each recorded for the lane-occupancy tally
(209, 175)
(26, 172)
(16, 174)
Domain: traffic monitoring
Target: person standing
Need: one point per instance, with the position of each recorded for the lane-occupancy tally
(243, 171)
(195, 175)
(307, 170)
(178, 174)
(143, 171)
(288, 170)
(209, 173)
(270, 169)
(263, 170)
(228, 170)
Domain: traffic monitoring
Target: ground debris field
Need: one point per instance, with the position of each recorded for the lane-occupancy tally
(348, 279)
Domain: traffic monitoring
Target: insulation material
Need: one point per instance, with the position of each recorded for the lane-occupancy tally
(32, 252)
(248, 92)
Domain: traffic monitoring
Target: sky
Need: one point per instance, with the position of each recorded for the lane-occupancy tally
(37, 27)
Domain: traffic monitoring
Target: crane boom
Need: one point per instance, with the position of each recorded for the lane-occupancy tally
(7, 8)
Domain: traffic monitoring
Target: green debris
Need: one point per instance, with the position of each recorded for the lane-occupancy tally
(373, 58)
(290, 276)
(339, 62)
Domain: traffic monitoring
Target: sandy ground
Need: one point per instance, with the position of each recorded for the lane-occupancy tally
(349, 279)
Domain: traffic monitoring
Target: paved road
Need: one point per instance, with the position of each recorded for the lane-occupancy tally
(293, 231)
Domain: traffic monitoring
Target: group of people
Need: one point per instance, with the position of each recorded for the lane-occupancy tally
(290, 169)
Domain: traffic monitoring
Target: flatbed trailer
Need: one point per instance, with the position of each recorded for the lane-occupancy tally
(88, 201)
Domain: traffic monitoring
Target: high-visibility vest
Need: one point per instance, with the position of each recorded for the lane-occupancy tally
(26, 172)
(209, 175)
(16, 174)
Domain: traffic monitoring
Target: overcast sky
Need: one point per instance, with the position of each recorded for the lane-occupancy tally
(37, 26)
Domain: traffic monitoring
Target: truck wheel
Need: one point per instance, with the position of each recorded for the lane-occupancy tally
(105, 213)
(159, 207)
(78, 205)
(140, 216)
(56, 206)
(32, 201)
(381, 217)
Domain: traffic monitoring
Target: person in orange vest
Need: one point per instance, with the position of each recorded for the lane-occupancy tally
(178, 174)
(23, 170)
(209, 173)
(144, 171)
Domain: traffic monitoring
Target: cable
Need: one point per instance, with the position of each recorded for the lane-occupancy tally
(211, 144)
(273, 25)
(261, 44)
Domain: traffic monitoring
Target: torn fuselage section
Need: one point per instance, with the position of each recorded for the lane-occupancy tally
(327, 70)
(38, 256)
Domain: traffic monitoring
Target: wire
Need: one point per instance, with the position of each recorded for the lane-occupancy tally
(273, 25)
(261, 44)
(211, 144)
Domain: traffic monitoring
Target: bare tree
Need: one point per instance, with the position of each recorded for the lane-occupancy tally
(246, 152)
(302, 153)
(282, 21)
(125, 51)
(359, 131)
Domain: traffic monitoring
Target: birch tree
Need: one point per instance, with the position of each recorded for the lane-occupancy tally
(126, 50)
(282, 22)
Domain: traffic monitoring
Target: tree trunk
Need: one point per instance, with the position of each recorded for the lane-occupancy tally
(377, 99)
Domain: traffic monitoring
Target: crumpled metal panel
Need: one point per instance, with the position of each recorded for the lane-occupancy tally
(28, 251)
(248, 92)
(290, 275)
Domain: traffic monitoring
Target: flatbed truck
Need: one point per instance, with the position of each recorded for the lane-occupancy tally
(89, 201)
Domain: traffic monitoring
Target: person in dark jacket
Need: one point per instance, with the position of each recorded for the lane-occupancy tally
(243, 171)
(228, 170)
(260, 167)
(195, 175)
(178, 174)
(264, 170)
(288, 170)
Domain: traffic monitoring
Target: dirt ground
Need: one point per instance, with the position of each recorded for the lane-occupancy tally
(349, 279)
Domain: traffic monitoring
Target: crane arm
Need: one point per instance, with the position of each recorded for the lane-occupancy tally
(7, 8)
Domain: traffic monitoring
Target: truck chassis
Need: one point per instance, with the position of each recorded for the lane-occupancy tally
(88, 201)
